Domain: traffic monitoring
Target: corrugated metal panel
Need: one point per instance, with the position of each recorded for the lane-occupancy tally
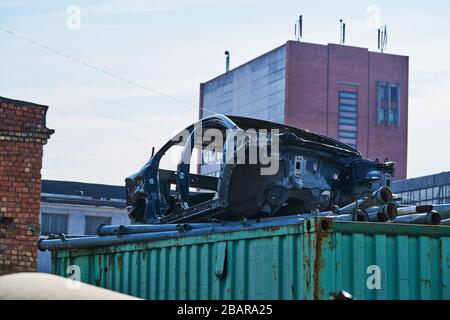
(304, 261)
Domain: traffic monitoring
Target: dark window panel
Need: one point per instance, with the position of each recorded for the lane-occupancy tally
(93, 222)
(53, 223)
(394, 92)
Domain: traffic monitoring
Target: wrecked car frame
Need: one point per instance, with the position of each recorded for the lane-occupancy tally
(265, 169)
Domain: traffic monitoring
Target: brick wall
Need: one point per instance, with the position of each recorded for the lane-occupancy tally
(316, 73)
(22, 135)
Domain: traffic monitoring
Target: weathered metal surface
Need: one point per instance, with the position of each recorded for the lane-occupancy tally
(308, 260)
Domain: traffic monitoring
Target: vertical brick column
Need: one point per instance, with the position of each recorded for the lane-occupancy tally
(22, 135)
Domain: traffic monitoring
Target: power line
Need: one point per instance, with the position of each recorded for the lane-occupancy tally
(99, 69)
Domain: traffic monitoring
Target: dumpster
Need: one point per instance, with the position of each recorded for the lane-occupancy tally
(306, 260)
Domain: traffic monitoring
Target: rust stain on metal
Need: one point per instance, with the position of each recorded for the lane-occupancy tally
(306, 263)
(318, 262)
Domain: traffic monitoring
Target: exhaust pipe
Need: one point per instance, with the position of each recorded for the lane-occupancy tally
(433, 218)
(377, 198)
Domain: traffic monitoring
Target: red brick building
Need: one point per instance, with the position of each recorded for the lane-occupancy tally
(349, 93)
(22, 135)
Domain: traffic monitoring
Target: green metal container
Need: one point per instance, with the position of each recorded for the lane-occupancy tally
(308, 260)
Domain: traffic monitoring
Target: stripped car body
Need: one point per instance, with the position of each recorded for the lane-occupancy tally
(314, 172)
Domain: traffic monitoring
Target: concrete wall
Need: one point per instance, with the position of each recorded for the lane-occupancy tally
(77, 214)
(255, 89)
(76, 222)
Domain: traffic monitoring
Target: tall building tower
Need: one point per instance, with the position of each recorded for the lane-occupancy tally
(352, 94)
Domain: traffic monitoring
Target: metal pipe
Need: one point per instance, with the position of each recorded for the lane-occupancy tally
(107, 240)
(377, 216)
(443, 209)
(445, 222)
(357, 215)
(66, 236)
(433, 217)
(423, 208)
(106, 230)
(96, 241)
(384, 213)
(377, 198)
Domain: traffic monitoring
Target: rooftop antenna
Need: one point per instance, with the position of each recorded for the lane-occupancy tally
(342, 37)
(298, 31)
(227, 61)
(382, 38)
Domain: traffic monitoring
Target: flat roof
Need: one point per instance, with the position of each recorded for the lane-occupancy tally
(92, 190)
(301, 43)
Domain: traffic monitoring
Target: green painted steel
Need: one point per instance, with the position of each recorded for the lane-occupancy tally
(302, 261)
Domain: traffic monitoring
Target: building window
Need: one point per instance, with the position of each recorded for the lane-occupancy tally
(92, 223)
(388, 104)
(348, 116)
(53, 223)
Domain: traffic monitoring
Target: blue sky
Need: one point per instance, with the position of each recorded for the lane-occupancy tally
(105, 126)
